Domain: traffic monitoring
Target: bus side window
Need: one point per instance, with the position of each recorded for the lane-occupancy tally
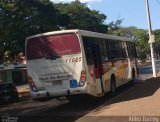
(101, 50)
(124, 55)
(107, 48)
(94, 53)
(117, 50)
(112, 51)
(120, 50)
(104, 52)
(88, 50)
(130, 50)
(134, 49)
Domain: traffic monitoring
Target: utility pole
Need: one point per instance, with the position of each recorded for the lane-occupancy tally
(151, 40)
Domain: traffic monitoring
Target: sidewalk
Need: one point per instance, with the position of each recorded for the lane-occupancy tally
(141, 100)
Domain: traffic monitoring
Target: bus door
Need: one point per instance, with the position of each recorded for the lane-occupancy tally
(98, 66)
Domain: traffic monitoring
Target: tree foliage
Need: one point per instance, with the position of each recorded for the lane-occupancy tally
(142, 45)
(157, 43)
(114, 27)
(82, 17)
(22, 18)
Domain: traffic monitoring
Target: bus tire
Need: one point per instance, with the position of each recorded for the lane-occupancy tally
(113, 85)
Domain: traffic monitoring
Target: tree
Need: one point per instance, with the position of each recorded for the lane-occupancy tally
(114, 27)
(157, 43)
(82, 17)
(22, 18)
(142, 45)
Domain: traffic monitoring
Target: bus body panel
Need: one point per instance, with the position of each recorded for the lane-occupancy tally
(121, 68)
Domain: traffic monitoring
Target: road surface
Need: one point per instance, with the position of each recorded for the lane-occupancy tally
(146, 70)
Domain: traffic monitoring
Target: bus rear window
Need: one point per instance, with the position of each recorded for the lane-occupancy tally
(53, 45)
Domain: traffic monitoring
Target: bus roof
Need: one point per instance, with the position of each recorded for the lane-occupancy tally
(83, 33)
(101, 35)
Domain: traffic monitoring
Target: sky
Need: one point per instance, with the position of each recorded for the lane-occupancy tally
(133, 12)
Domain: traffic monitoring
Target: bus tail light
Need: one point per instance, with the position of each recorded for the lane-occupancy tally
(32, 85)
(82, 78)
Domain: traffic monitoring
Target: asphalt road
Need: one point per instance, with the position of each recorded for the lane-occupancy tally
(146, 70)
(53, 110)
(62, 110)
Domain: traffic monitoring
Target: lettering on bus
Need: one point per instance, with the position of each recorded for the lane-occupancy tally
(76, 59)
(57, 77)
(65, 51)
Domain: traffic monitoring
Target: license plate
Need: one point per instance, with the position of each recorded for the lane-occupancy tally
(57, 82)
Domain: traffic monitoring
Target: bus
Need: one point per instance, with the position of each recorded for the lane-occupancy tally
(77, 62)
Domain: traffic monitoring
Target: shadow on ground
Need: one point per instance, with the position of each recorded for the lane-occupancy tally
(143, 89)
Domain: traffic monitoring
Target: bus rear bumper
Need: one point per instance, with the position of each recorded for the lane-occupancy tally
(58, 93)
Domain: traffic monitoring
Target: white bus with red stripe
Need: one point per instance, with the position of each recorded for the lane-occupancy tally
(74, 62)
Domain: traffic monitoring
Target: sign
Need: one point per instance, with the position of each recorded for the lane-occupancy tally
(152, 38)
